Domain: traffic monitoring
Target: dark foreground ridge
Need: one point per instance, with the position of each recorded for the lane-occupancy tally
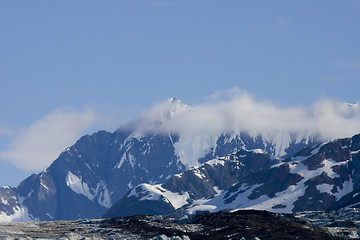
(243, 224)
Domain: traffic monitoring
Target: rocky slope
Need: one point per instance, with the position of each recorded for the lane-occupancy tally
(221, 225)
(320, 177)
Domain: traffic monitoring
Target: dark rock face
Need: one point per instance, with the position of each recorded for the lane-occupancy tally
(8, 200)
(222, 176)
(352, 198)
(199, 183)
(272, 181)
(335, 150)
(133, 207)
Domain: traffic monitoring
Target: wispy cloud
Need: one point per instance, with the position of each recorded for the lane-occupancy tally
(237, 111)
(231, 111)
(243, 112)
(37, 145)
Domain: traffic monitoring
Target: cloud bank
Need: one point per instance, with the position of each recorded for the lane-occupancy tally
(236, 111)
(232, 111)
(36, 146)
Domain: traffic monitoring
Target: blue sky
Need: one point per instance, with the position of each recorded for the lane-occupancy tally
(106, 62)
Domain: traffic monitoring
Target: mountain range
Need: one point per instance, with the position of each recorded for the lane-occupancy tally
(142, 168)
(321, 177)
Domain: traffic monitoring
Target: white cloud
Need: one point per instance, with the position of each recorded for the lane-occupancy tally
(236, 111)
(232, 111)
(242, 112)
(36, 146)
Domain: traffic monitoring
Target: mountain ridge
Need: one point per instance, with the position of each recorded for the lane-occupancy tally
(101, 168)
(317, 178)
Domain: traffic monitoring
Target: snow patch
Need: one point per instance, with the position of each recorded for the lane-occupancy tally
(43, 185)
(122, 160)
(4, 201)
(101, 193)
(347, 187)
(198, 207)
(191, 147)
(77, 185)
(126, 156)
(302, 169)
(21, 214)
(131, 160)
(217, 190)
(155, 192)
(177, 175)
(282, 202)
(326, 188)
(198, 173)
(282, 141)
(355, 152)
(104, 198)
(215, 162)
(258, 150)
(317, 149)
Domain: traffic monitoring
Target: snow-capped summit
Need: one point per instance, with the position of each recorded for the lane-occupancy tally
(176, 107)
(159, 114)
(99, 169)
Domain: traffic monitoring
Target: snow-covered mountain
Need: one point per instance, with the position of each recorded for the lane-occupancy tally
(321, 177)
(91, 175)
(100, 169)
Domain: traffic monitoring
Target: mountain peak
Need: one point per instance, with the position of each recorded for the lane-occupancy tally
(173, 99)
(160, 114)
(176, 107)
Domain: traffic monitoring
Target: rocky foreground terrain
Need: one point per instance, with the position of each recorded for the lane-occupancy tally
(243, 224)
